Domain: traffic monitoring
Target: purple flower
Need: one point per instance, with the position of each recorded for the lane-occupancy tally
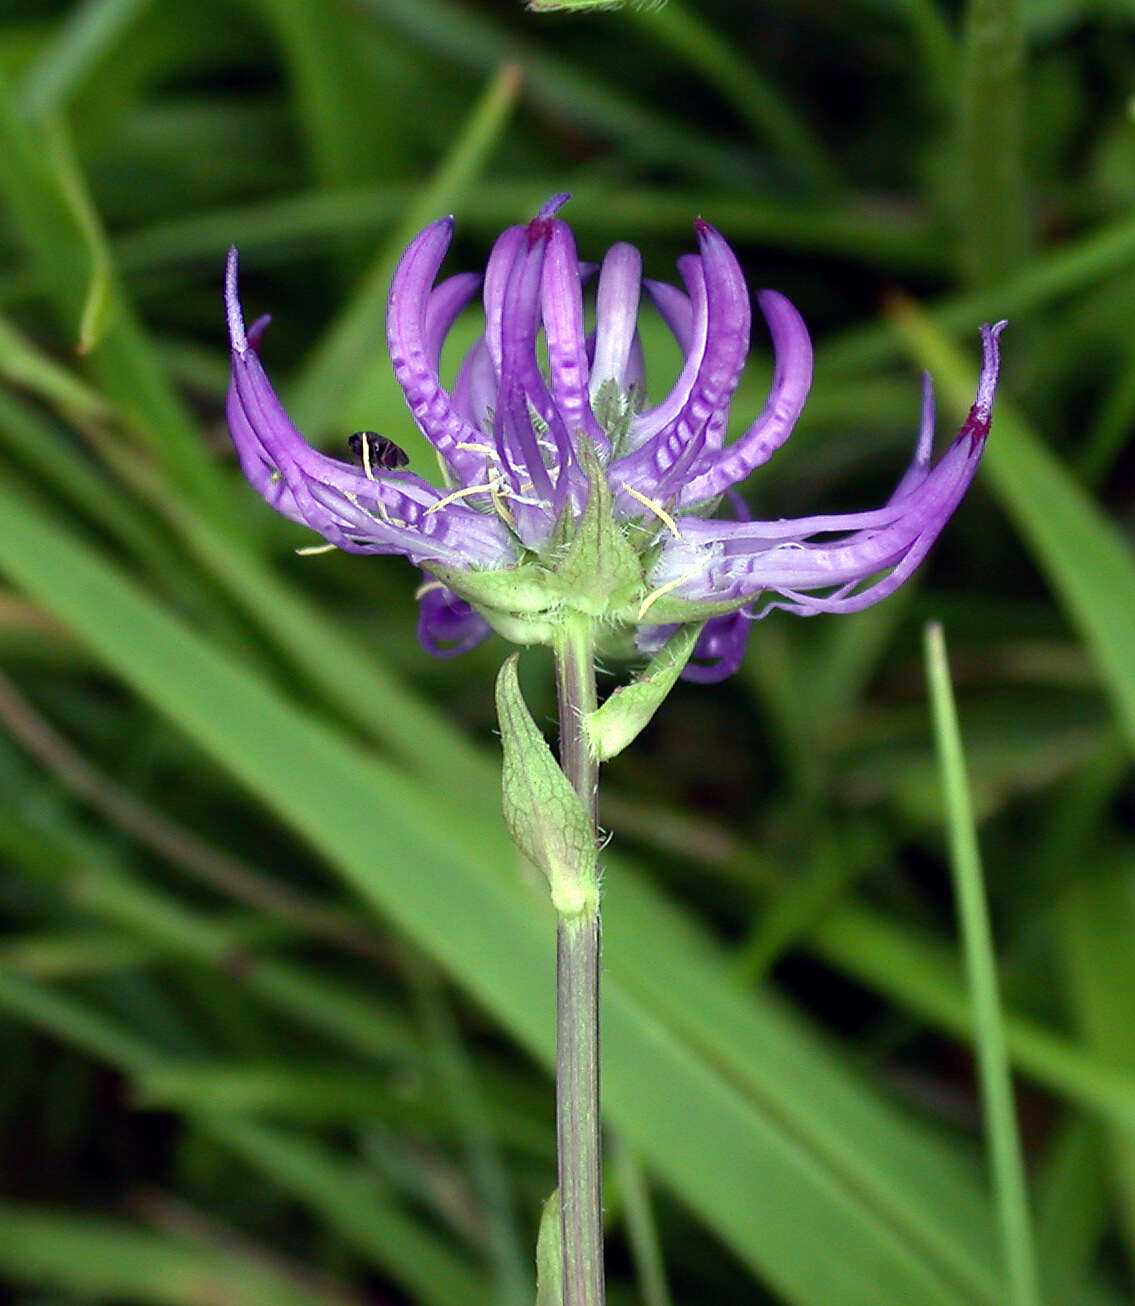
(528, 448)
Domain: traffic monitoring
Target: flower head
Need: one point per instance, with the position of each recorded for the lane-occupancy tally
(565, 487)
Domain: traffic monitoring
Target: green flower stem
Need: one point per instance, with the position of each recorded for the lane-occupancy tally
(578, 1134)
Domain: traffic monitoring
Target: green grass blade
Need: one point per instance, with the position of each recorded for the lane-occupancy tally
(609, 211)
(1007, 1164)
(329, 385)
(470, 39)
(1108, 251)
(346, 1195)
(333, 92)
(84, 38)
(756, 102)
(994, 226)
(60, 238)
(1098, 928)
(730, 1155)
(921, 977)
(351, 1201)
(99, 1259)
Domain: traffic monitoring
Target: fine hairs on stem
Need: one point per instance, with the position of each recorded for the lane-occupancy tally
(578, 1133)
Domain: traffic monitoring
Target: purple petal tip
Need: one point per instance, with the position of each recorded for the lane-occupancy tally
(232, 303)
(977, 424)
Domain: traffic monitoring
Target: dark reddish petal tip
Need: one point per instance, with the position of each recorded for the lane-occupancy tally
(257, 329)
(540, 228)
(977, 424)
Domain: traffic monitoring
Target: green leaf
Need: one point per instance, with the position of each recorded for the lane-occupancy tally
(550, 1255)
(542, 811)
(104, 1260)
(1002, 1132)
(628, 710)
(759, 1130)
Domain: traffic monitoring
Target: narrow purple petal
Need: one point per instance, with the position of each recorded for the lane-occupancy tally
(792, 379)
(562, 311)
(616, 316)
(919, 467)
(659, 465)
(540, 464)
(410, 349)
(475, 390)
(388, 513)
(720, 648)
(652, 420)
(447, 625)
(740, 559)
(446, 301)
(502, 257)
(675, 309)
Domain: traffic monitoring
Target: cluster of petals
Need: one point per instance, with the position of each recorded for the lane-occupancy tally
(509, 434)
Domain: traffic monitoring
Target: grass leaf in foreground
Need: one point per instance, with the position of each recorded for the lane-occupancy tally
(993, 1058)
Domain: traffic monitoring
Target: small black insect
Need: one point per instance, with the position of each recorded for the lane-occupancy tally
(374, 450)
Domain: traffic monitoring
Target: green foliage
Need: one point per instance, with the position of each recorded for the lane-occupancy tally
(275, 994)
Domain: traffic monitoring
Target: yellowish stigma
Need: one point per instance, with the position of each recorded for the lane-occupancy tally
(660, 512)
(459, 494)
(309, 550)
(652, 597)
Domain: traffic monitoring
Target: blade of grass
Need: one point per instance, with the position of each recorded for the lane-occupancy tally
(349, 1197)
(758, 1163)
(329, 382)
(273, 229)
(509, 1257)
(58, 239)
(1007, 1164)
(918, 975)
(756, 101)
(99, 1259)
(1098, 941)
(332, 92)
(995, 233)
(472, 40)
(84, 36)
(1052, 274)
(346, 1195)
(642, 1231)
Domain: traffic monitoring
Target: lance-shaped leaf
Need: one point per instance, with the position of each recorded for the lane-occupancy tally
(626, 713)
(550, 1255)
(543, 813)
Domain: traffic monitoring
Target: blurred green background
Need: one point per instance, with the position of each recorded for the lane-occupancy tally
(275, 998)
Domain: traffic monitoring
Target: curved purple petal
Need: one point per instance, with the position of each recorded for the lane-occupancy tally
(411, 354)
(445, 302)
(616, 317)
(395, 512)
(792, 379)
(738, 560)
(663, 460)
(447, 625)
(720, 648)
(562, 311)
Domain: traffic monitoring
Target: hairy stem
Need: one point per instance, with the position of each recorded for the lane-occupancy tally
(578, 1135)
